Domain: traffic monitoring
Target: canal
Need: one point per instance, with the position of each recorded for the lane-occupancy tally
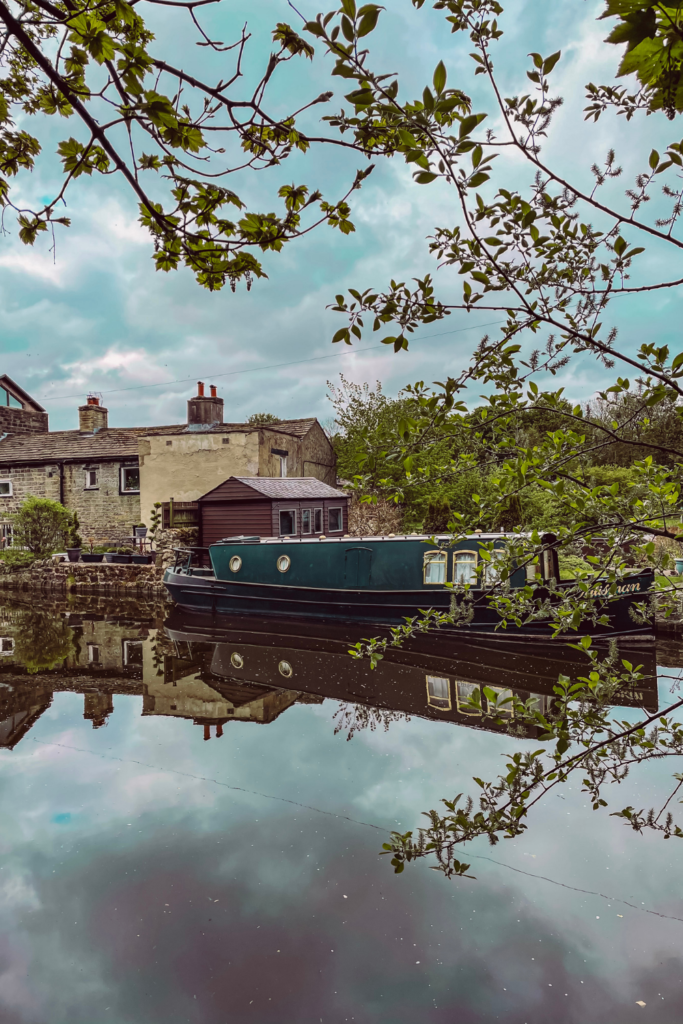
(192, 822)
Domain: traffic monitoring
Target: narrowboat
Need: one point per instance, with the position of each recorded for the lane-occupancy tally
(372, 580)
(434, 681)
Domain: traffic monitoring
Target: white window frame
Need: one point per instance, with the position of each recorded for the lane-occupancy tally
(340, 510)
(473, 576)
(304, 513)
(434, 558)
(292, 512)
(318, 512)
(283, 465)
(10, 493)
(441, 703)
(122, 488)
(6, 652)
(94, 654)
(89, 485)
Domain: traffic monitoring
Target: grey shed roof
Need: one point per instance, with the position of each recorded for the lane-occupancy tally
(294, 487)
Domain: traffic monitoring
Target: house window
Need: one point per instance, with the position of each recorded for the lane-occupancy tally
(132, 653)
(169, 443)
(317, 520)
(90, 479)
(335, 520)
(94, 654)
(130, 480)
(5, 488)
(435, 567)
(287, 522)
(465, 567)
(281, 454)
(464, 694)
(439, 693)
(6, 645)
(6, 535)
(306, 520)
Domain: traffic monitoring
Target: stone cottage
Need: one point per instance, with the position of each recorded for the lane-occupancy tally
(112, 476)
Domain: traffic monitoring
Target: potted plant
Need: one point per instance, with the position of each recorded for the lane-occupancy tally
(74, 541)
(91, 556)
(140, 531)
(121, 556)
(141, 559)
(109, 555)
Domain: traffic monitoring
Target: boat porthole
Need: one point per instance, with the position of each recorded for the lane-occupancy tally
(235, 563)
(283, 563)
(236, 660)
(285, 669)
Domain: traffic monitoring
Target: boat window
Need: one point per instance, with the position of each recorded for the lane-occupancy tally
(491, 570)
(439, 693)
(283, 563)
(305, 520)
(435, 567)
(235, 563)
(465, 567)
(236, 660)
(501, 694)
(285, 669)
(335, 520)
(464, 692)
(287, 522)
(317, 520)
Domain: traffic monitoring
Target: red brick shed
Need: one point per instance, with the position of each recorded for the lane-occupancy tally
(271, 507)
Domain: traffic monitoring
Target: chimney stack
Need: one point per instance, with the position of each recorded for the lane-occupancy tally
(204, 410)
(92, 416)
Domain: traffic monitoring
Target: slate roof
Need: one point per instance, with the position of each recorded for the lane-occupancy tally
(114, 442)
(293, 487)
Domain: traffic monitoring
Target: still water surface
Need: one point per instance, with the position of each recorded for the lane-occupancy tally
(190, 839)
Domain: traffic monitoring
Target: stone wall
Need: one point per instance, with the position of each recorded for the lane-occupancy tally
(105, 515)
(22, 421)
(48, 576)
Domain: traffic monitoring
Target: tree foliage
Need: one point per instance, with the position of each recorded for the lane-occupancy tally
(42, 525)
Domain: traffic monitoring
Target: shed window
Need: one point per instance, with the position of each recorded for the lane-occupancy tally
(90, 479)
(464, 692)
(5, 488)
(317, 520)
(439, 693)
(305, 520)
(335, 519)
(130, 480)
(287, 522)
(435, 567)
(465, 567)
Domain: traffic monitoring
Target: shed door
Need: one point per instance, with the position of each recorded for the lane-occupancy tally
(358, 561)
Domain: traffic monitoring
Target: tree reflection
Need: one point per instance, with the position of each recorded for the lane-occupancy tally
(43, 640)
(352, 718)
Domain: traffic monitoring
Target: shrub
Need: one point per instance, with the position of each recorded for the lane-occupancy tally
(16, 559)
(41, 525)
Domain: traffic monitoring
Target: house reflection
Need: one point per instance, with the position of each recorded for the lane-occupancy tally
(190, 668)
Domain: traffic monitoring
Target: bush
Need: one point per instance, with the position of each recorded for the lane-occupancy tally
(41, 525)
(16, 559)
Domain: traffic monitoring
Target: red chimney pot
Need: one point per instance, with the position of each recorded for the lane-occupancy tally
(200, 389)
(213, 390)
(93, 400)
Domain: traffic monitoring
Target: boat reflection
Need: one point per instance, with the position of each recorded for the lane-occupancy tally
(213, 672)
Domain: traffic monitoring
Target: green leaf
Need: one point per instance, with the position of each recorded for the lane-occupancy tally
(342, 335)
(368, 22)
(349, 7)
(654, 159)
(550, 62)
(424, 177)
(440, 77)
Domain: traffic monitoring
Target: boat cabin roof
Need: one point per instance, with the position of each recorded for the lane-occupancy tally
(321, 538)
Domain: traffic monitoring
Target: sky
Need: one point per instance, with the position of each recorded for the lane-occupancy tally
(94, 315)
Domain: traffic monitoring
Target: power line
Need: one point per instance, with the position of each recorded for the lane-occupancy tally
(273, 366)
